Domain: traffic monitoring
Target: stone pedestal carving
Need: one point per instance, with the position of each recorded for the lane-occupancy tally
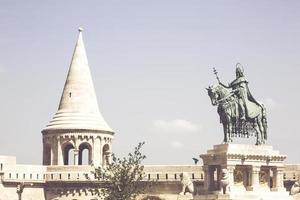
(251, 171)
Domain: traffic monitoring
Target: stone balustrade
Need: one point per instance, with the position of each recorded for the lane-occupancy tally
(171, 176)
(42, 174)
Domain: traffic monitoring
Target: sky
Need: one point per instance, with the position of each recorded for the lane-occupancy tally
(151, 62)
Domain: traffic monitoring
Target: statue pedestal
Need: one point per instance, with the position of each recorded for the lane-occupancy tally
(246, 171)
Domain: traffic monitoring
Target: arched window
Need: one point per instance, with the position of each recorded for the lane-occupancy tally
(47, 154)
(85, 154)
(106, 155)
(68, 154)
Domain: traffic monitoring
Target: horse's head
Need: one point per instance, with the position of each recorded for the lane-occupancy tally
(216, 92)
(213, 94)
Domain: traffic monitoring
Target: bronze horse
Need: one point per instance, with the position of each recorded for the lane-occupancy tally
(228, 110)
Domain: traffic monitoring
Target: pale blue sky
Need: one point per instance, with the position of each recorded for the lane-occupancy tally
(150, 61)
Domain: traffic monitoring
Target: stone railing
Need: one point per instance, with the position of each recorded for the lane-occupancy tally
(70, 177)
(172, 173)
(171, 176)
(23, 177)
(70, 173)
(36, 173)
(23, 173)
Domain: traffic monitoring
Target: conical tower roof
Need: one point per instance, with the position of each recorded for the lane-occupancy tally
(78, 107)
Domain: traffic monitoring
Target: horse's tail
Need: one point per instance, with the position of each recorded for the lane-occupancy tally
(264, 121)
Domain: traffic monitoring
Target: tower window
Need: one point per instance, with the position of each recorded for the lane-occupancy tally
(68, 154)
(105, 154)
(85, 154)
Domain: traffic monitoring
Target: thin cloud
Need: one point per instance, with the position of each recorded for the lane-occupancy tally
(177, 125)
(177, 145)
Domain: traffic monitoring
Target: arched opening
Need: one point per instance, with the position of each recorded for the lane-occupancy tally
(85, 154)
(47, 154)
(68, 154)
(106, 155)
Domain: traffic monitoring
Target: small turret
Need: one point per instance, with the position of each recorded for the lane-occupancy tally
(78, 123)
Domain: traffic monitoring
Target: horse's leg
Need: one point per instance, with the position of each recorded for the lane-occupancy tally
(258, 132)
(229, 125)
(229, 131)
(225, 141)
(264, 122)
(261, 129)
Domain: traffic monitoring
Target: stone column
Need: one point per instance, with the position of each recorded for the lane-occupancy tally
(46, 151)
(76, 157)
(249, 178)
(255, 177)
(60, 160)
(97, 155)
(212, 178)
(206, 178)
(230, 170)
(101, 151)
(53, 151)
(268, 170)
(278, 174)
(219, 174)
(91, 152)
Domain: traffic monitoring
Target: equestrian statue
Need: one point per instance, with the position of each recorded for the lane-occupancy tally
(240, 114)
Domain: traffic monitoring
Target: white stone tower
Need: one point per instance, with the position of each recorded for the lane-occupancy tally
(77, 134)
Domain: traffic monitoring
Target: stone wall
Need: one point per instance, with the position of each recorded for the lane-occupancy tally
(12, 175)
(172, 172)
(77, 182)
(8, 192)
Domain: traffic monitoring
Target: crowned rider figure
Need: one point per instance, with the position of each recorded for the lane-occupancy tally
(240, 114)
(240, 89)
